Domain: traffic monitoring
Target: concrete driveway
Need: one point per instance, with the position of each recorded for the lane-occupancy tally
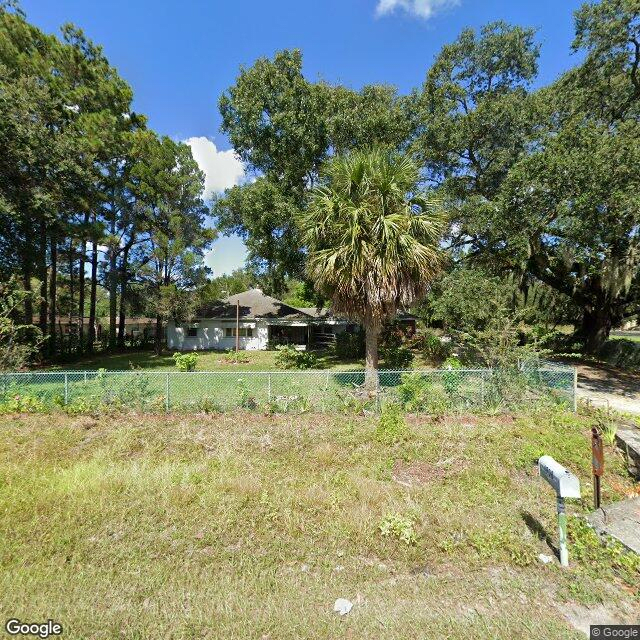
(603, 385)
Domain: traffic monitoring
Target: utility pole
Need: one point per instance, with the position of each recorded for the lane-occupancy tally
(237, 327)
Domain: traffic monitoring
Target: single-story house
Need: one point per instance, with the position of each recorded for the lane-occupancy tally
(263, 322)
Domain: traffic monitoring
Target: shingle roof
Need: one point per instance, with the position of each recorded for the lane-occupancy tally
(253, 304)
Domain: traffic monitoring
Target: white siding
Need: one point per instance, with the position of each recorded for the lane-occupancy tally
(211, 335)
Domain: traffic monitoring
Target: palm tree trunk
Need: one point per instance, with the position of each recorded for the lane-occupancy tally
(371, 358)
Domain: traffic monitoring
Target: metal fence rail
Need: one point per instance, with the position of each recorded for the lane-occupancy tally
(423, 391)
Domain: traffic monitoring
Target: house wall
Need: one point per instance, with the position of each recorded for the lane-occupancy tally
(211, 335)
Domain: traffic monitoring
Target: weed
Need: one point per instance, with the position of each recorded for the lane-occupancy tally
(400, 527)
(392, 426)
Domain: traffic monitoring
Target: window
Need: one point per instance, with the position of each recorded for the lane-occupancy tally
(245, 332)
(192, 332)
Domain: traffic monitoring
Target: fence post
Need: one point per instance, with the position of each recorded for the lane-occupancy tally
(269, 388)
(482, 391)
(66, 388)
(166, 393)
(575, 389)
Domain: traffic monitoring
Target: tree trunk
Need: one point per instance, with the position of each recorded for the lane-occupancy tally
(123, 293)
(113, 297)
(371, 358)
(71, 294)
(595, 328)
(53, 290)
(81, 284)
(92, 297)
(28, 301)
(158, 339)
(43, 275)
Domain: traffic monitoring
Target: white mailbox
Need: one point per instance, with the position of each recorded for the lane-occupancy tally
(565, 484)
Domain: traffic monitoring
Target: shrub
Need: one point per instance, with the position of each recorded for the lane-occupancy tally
(290, 358)
(391, 427)
(245, 399)
(397, 358)
(418, 394)
(22, 404)
(621, 353)
(186, 361)
(350, 346)
(400, 527)
(235, 357)
(451, 379)
(432, 346)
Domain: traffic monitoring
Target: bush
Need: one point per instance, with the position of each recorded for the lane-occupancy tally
(22, 404)
(621, 353)
(391, 427)
(290, 358)
(350, 346)
(418, 394)
(397, 358)
(451, 379)
(434, 349)
(186, 361)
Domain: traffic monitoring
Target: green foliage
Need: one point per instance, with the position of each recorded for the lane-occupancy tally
(372, 236)
(465, 299)
(186, 361)
(259, 213)
(349, 345)
(397, 358)
(499, 344)
(399, 527)
(225, 285)
(23, 404)
(18, 342)
(607, 425)
(621, 353)
(451, 379)
(245, 399)
(608, 557)
(392, 427)
(290, 358)
(432, 346)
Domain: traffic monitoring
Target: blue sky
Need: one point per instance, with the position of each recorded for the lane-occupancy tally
(180, 56)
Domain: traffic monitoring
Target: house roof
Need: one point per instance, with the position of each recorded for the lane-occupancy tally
(326, 313)
(253, 304)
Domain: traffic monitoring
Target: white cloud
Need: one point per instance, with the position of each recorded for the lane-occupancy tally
(420, 8)
(221, 168)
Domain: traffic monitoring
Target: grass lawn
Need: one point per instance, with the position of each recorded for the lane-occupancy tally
(626, 337)
(251, 526)
(207, 361)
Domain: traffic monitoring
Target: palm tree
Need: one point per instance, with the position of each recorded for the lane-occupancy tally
(372, 238)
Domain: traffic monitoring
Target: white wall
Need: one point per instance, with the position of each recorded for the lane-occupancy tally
(211, 335)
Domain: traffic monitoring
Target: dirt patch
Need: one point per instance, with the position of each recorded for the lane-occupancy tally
(417, 473)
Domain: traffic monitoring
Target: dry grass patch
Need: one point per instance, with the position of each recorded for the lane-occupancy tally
(248, 526)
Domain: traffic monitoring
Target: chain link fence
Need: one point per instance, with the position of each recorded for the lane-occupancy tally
(422, 391)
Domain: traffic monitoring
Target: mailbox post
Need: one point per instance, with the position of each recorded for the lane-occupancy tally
(566, 485)
(597, 464)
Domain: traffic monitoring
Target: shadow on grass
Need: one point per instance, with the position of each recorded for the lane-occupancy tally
(537, 528)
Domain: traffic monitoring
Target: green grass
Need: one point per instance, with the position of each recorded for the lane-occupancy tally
(626, 337)
(207, 361)
(250, 526)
